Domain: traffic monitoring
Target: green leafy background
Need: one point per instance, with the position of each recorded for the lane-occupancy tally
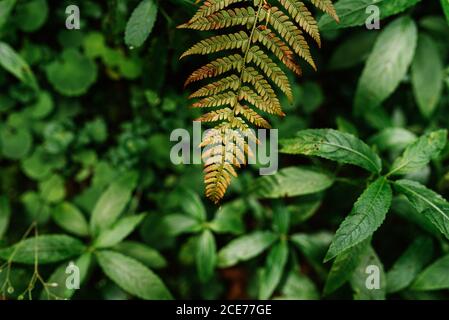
(86, 178)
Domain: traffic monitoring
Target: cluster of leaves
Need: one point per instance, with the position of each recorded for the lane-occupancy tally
(86, 177)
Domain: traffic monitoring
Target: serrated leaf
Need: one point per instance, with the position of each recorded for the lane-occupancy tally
(403, 208)
(245, 247)
(70, 218)
(427, 75)
(409, 264)
(365, 218)
(419, 153)
(427, 202)
(118, 231)
(369, 266)
(353, 12)
(333, 145)
(343, 267)
(206, 255)
(293, 181)
(50, 249)
(112, 202)
(16, 65)
(141, 23)
(434, 277)
(132, 276)
(387, 65)
(274, 268)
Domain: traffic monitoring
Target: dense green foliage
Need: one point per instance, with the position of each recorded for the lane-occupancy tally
(86, 177)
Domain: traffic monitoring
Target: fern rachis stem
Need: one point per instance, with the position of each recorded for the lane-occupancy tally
(245, 57)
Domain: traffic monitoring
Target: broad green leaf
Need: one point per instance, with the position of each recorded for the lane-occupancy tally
(141, 252)
(445, 5)
(304, 208)
(141, 23)
(132, 276)
(193, 206)
(52, 190)
(32, 14)
(387, 65)
(15, 143)
(72, 74)
(409, 264)
(118, 231)
(70, 218)
(434, 277)
(353, 51)
(6, 7)
(5, 214)
(436, 26)
(419, 153)
(49, 249)
(36, 209)
(368, 274)
(299, 287)
(228, 218)
(59, 278)
(206, 255)
(403, 208)
(427, 75)
(346, 126)
(313, 246)
(293, 181)
(43, 106)
(312, 97)
(112, 202)
(343, 267)
(40, 164)
(274, 268)
(354, 12)
(427, 202)
(15, 64)
(245, 247)
(365, 218)
(281, 219)
(333, 145)
(393, 139)
(176, 224)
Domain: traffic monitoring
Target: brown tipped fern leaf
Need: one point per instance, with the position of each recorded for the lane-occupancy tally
(273, 33)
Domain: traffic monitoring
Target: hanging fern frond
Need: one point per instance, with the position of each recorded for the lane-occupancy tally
(327, 7)
(211, 6)
(272, 33)
(219, 43)
(302, 16)
(216, 68)
(223, 19)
